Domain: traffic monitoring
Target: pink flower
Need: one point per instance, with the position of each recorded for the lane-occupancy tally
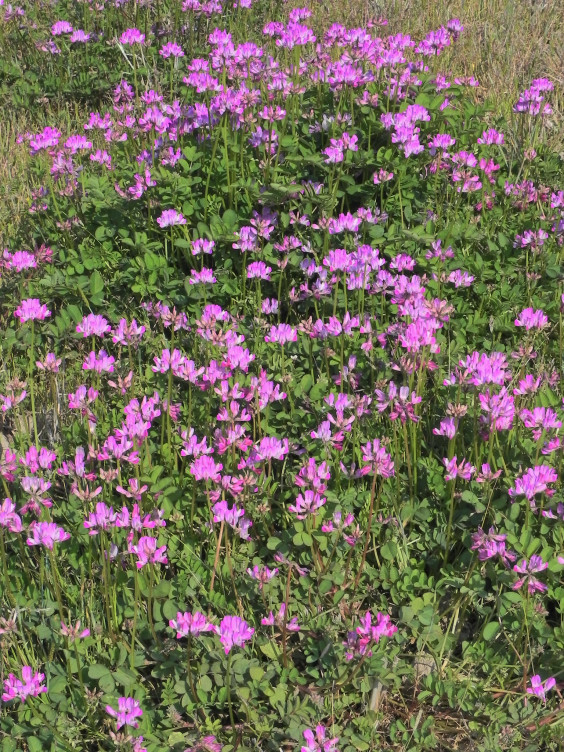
(9, 518)
(528, 569)
(234, 631)
(487, 475)
(281, 334)
(128, 710)
(454, 469)
(262, 574)
(191, 624)
(307, 503)
(102, 519)
(535, 480)
(318, 742)
(538, 688)
(491, 544)
(61, 27)
(171, 49)
(169, 218)
(531, 319)
(100, 363)
(46, 534)
(30, 684)
(30, 310)
(147, 552)
(202, 245)
(132, 36)
(93, 326)
(280, 620)
(447, 427)
(204, 468)
(74, 632)
(50, 364)
(367, 634)
(378, 458)
(203, 277)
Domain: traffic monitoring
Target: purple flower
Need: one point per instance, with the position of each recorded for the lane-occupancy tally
(30, 684)
(74, 632)
(79, 35)
(280, 620)
(307, 503)
(61, 27)
(534, 481)
(491, 544)
(102, 519)
(378, 458)
(538, 688)
(455, 469)
(363, 637)
(101, 363)
(147, 552)
(262, 574)
(528, 569)
(171, 49)
(206, 743)
(191, 624)
(259, 270)
(234, 631)
(169, 218)
(30, 310)
(93, 326)
(201, 245)
(132, 36)
(205, 468)
(447, 427)
(46, 534)
(281, 334)
(319, 742)
(204, 277)
(491, 136)
(531, 319)
(51, 363)
(9, 518)
(128, 710)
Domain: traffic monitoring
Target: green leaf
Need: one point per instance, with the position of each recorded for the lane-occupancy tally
(229, 219)
(96, 283)
(205, 684)
(490, 630)
(256, 673)
(96, 671)
(107, 684)
(124, 676)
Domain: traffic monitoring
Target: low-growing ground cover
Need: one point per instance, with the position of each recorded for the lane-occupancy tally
(281, 392)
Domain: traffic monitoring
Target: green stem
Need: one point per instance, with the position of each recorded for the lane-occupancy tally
(31, 382)
(229, 702)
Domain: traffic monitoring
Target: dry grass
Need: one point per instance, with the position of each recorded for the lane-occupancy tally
(14, 179)
(505, 44)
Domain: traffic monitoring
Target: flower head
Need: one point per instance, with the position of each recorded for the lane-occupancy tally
(46, 534)
(169, 218)
(191, 624)
(234, 631)
(539, 688)
(132, 36)
(128, 710)
(30, 684)
(318, 742)
(30, 310)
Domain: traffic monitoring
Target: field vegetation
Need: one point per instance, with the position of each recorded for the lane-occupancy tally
(281, 398)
